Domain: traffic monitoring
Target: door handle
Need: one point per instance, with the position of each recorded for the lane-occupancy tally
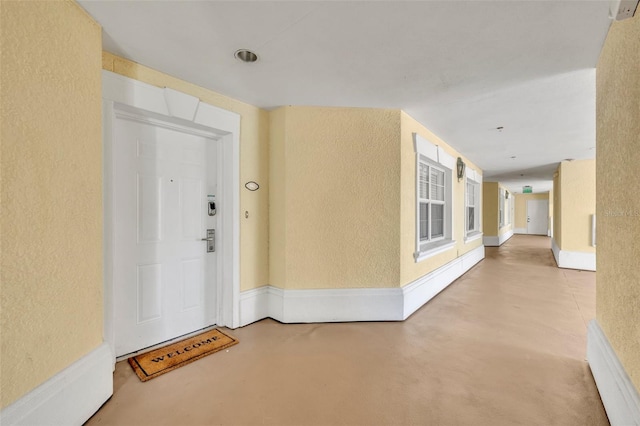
(211, 240)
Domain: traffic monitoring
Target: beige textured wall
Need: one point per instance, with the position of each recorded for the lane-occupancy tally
(557, 212)
(336, 197)
(508, 211)
(578, 203)
(618, 208)
(343, 199)
(51, 167)
(521, 207)
(551, 210)
(254, 165)
(410, 270)
(277, 199)
(490, 214)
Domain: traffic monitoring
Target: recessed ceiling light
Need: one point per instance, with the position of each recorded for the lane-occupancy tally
(568, 159)
(499, 128)
(513, 157)
(245, 55)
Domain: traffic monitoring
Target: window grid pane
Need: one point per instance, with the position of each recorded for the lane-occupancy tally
(471, 194)
(471, 220)
(501, 206)
(424, 221)
(437, 184)
(424, 181)
(437, 220)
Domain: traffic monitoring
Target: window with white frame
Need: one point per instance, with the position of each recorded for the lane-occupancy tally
(501, 206)
(431, 202)
(434, 183)
(472, 213)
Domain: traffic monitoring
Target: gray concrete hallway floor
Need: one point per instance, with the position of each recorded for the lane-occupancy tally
(503, 345)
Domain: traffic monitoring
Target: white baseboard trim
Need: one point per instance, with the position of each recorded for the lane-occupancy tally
(556, 251)
(70, 397)
(619, 397)
(491, 241)
(337, 305)
(573, 259)
(353, 304)
(520, 231)
(497, 241)
(254, 305)
(504, 237)
(425, 288)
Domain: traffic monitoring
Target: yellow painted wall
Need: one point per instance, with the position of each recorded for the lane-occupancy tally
(618, 208)
(557, 201)
(343, 199)
(508, 211)
(277, 199)
(577, 204)
(491, 210)
(254, 165)
(51, 168)
(551, 212)
(335, 197)
(490, 213)
(410, 270)
(521, 207)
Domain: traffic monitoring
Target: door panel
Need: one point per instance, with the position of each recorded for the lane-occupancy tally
(164, 280)
(191, 208)
(149, 209)
(537, 217)
(149, 292)
(191, 277)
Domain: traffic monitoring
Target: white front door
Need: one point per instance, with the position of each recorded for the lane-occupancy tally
(537, 217)
(164, 278)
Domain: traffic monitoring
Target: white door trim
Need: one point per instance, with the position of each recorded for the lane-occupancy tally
(155, 104)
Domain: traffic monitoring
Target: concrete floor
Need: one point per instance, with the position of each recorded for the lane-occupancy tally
(503, 345)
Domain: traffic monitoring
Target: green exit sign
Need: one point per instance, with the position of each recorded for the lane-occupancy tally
(527, 189)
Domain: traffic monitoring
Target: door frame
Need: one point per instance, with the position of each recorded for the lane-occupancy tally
(170, 108)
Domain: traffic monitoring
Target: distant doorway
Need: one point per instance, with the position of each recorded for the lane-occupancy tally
(538, 217)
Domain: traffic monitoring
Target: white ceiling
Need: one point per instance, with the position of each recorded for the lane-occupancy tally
(460, 68)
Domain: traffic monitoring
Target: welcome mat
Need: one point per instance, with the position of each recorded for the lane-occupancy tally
(159, 361)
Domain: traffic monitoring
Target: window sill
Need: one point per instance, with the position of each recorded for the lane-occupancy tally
(433, 249)
(472, 236)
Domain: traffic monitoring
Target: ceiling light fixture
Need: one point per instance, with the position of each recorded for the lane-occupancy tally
(499, 128)
(245, 55)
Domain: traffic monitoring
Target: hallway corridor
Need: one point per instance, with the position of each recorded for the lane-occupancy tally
(503, 345)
